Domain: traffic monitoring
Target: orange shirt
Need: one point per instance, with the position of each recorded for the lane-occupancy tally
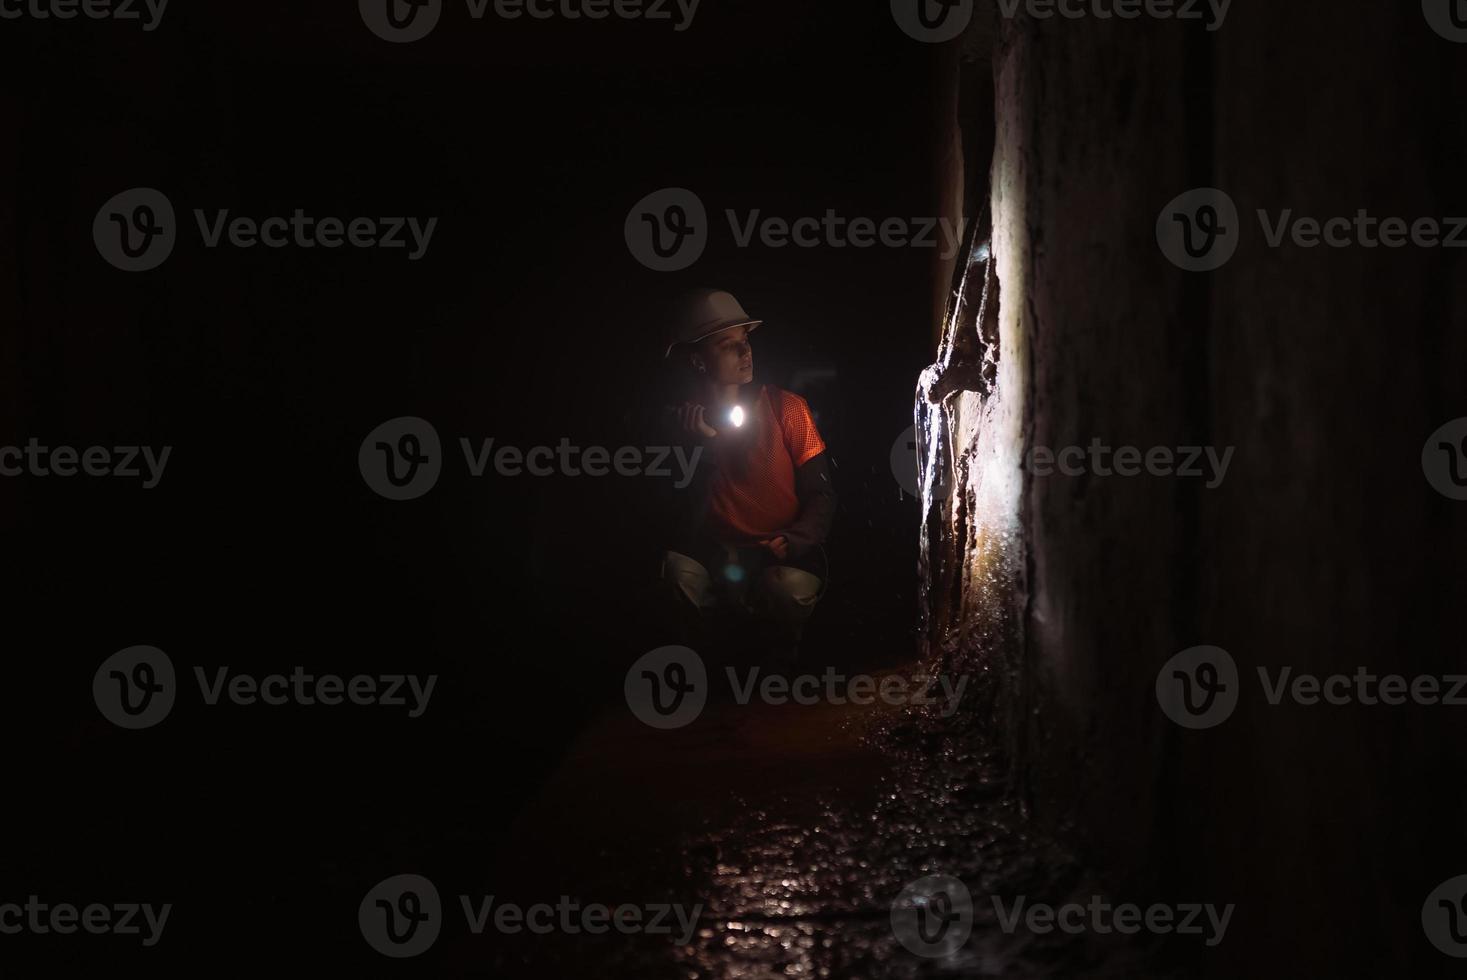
(753, 491)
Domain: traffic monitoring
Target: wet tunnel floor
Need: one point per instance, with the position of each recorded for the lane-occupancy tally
(794, 828)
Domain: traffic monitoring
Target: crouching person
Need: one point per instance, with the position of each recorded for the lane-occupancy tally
(748, 531)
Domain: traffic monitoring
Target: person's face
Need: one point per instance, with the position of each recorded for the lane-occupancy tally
(726, 357)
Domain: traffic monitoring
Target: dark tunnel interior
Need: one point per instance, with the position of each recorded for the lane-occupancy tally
(1148, 446)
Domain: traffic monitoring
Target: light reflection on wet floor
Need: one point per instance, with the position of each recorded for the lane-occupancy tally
(801, 883)
(796, 901)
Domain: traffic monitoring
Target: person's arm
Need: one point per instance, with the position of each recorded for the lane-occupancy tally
(816, 491)
(684, 428)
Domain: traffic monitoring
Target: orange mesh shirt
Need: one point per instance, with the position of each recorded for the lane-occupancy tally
(753, 492)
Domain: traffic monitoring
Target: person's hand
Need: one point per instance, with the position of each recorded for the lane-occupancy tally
(779, 546)
(692, 418)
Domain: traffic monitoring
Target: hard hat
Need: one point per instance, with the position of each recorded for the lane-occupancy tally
(703, 313)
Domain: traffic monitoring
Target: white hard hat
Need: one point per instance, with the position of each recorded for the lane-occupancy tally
(704, 313)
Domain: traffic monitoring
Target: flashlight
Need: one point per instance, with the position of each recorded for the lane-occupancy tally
(736, 417)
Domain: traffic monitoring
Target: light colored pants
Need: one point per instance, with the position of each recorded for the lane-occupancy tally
(787, 595)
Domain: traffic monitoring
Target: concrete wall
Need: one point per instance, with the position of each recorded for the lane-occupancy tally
(1324, 549)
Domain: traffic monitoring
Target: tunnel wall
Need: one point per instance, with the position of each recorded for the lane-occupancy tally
(1324, 548)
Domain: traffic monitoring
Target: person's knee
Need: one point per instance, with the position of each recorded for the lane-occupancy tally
(792, 592)
(689, 578)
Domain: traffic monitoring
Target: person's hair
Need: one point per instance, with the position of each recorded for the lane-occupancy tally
(682, 379)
